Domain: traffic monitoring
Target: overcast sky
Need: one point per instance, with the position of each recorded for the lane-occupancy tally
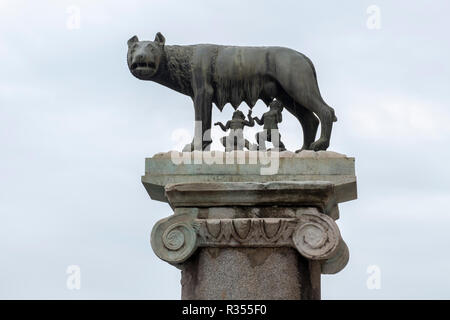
(75, 127)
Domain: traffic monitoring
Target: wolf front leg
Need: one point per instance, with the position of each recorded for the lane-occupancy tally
(202, 132)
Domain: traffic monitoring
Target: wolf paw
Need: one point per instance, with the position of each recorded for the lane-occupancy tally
(321, 144)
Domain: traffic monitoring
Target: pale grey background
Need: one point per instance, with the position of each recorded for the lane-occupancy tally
(75, 127)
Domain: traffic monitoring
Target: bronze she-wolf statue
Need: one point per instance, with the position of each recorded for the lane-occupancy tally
(210, 73)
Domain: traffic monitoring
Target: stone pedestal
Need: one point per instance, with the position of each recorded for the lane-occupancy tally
(239, 234)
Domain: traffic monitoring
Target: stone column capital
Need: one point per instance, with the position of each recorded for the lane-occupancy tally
(314, 234)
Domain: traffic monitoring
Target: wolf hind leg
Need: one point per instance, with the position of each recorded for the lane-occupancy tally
(307, 119)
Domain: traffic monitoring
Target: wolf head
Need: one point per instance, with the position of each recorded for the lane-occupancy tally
(144, 57)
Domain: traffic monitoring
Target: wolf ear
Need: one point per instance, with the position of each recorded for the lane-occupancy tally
(159, 38)
(132, 40)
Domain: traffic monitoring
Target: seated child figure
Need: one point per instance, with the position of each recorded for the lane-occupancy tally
(235, 140)
(270, 119)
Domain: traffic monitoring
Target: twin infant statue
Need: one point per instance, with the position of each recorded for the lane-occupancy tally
(236, 141)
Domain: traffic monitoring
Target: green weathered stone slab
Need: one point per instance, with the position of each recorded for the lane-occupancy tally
(198, 167)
